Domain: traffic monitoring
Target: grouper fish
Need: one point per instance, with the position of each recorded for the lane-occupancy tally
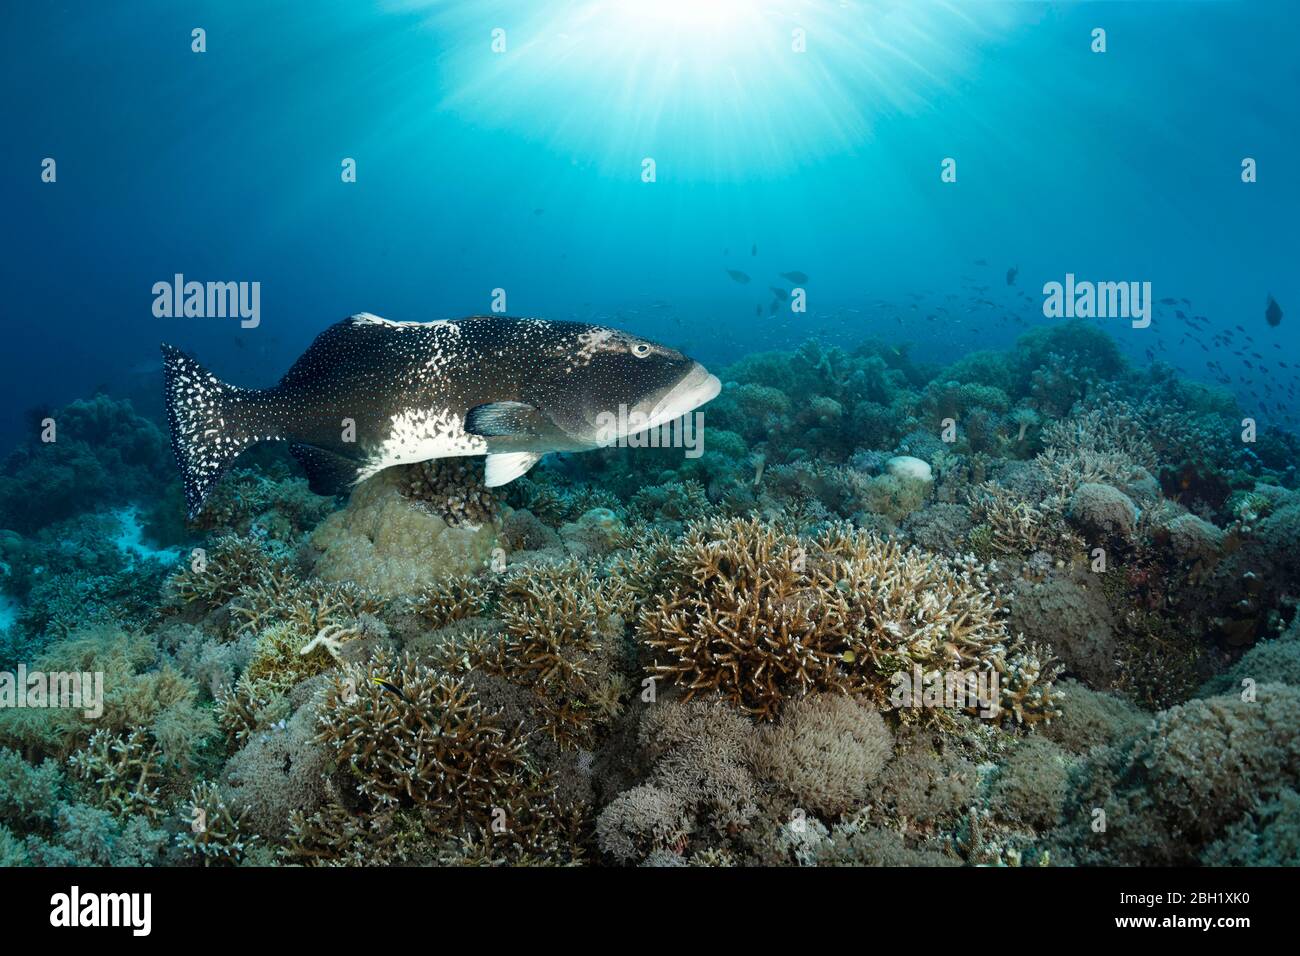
(369, 394)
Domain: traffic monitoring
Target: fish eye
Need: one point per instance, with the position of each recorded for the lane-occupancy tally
(640, 350)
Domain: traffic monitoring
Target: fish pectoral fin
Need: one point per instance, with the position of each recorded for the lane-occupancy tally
(508, 420)
(504, 467)
(327, 473)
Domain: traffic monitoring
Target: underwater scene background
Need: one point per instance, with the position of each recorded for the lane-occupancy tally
(987, 555)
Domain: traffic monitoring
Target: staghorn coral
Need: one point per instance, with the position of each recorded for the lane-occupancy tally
(1010, 524)
(123, 772)
(213, 833)
(140, 691)
(453, 599)
(86, 835)
(248, 501)
(762, 615)
(414, 735)
(215, 575)
(532, 826)
(562, 640)
(671, 501)
(27, 793)
(556, 503)
(248, 707)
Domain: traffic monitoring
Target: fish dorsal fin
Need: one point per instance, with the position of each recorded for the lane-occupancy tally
(508, 420)
(504, 467)
(327, 472)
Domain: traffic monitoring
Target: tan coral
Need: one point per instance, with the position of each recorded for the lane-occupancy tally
(562, 630)
(761, 616)
(411, 733)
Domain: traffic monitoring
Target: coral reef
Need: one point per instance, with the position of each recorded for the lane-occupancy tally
(635, 657)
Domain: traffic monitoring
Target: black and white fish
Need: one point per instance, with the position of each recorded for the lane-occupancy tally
(369, 394)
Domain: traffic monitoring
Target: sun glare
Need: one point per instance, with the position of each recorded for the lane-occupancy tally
(724, 85)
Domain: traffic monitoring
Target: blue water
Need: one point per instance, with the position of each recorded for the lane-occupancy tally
(522, 170)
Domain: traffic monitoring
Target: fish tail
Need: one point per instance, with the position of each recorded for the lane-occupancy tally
(211, 423)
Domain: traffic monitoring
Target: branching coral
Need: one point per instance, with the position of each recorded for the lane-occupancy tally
(247, 499)
(453, 599)
(1012, 524)
(213, 833)
(305, 607)
(27, 793)
(555, 503)
(139, 692)
(123, 770)
(762, 616)
(671, 501)
(233, 563)
(413, 734)
(562, 640)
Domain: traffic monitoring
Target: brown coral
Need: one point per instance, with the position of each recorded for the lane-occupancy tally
(562, 641)
(762, 615)
(827, 751)
(700, 784)
(414, 734)
(452, 489)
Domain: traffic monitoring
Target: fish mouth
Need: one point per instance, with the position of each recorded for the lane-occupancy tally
(696, 388)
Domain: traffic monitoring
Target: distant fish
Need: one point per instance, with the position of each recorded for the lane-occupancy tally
(1011, 275)
(753, 250)
(779, 294)
(981, 262)
(1273, 314)
(369, 394)
(1168, 301)
(795, 276)
(739, 276)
